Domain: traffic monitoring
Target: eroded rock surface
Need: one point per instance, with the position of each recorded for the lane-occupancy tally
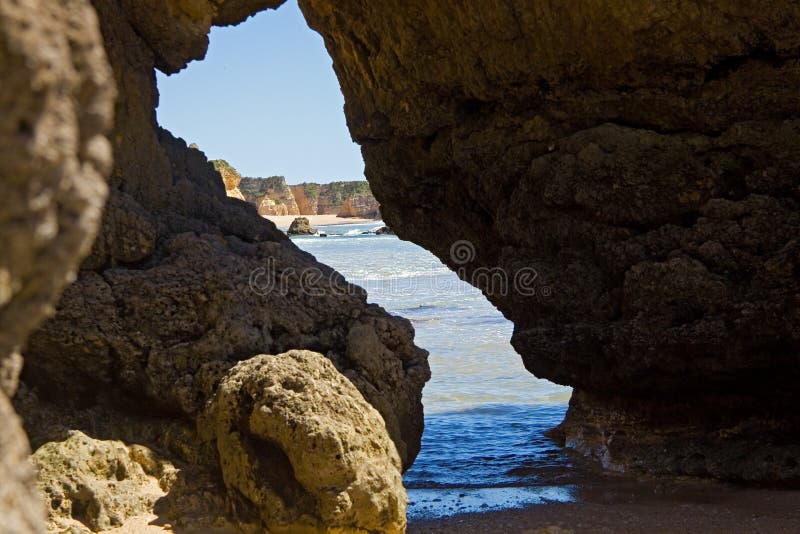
(303, 450)
(270, 195)
(182, 284)
(230, 177)
(360, 206)
(56, 99)
(635, 172)
(20, 503)
(92, 485)
(645, 158)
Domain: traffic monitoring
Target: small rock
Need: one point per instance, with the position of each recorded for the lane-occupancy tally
(301, 226)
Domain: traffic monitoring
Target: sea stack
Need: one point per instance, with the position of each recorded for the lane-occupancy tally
(301, 226)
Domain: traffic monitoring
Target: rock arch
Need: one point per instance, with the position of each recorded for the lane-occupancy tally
(643, 162)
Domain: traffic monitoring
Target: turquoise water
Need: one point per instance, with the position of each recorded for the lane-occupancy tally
(485, 416)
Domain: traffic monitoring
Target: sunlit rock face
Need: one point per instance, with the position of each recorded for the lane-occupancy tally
(270, 196)
(343, 472)
(643, 161)
(230, 177)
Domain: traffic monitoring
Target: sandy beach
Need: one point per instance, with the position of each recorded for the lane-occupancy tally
(283, 221)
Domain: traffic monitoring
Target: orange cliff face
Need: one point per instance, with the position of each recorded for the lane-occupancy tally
(230, 177)
(306, 198)
(360, 206)
(273, 197)
(345, 199)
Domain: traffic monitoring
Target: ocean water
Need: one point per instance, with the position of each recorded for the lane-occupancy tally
(484, 446)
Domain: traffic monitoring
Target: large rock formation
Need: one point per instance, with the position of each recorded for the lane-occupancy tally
(271, 196)
(181, 284)
(646, 158)
(364, 206)
(306, 197)
(56, 100)
(92, 485)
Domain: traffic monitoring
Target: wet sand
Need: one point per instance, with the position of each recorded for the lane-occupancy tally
(627, 505)
(283, 221)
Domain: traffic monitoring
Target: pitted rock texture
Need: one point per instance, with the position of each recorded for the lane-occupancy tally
(633, 172)
(92, 485)
(183, 282)
(343, 472)
(53, 154)
(20, 503)
(646, 160)
(163, 334)
(200, 282)
(56, 103)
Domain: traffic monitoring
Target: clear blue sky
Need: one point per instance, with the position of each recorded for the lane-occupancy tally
(265, 99)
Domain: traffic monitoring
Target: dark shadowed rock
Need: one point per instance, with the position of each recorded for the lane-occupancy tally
(637, 180)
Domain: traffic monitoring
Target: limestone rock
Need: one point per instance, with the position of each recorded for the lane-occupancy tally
(92, 485)
(306, 196)
(53, 154)
(363, 206)
(230, 177)
(345, 199)
(10, 368)
(20, 504)
(302, 448)
(301, 226)
(56, 106)
(185, 282)
(127, 235)
(177, 30)
(271, 195)
(164, 334)
(619, 164)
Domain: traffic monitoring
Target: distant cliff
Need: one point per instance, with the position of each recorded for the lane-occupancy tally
(346, 199)
(270, 195)
(230, 176)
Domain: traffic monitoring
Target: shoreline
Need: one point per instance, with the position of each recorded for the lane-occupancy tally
(613, 503)
(283, 221)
